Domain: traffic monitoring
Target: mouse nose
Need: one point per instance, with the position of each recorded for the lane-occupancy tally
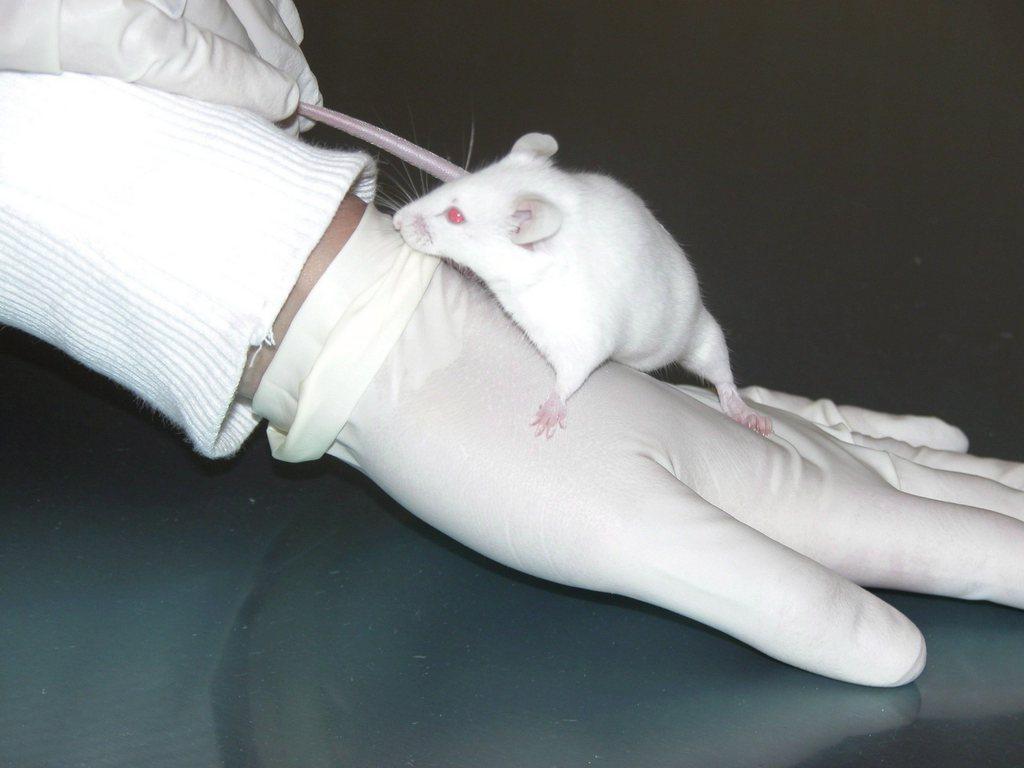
(397, 223)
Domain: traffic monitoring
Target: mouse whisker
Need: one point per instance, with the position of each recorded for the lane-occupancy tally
(472, 141)
(422, 189)
(411, 190)
(386, 201)
(423, 182)
(419, 190)
(403, 190)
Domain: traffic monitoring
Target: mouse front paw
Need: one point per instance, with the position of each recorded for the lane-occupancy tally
(550, 416)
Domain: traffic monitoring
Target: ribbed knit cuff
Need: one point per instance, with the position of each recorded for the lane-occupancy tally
(155, 238)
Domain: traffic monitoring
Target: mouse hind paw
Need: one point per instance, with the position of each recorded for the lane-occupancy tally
(736, 409)
(758, 422)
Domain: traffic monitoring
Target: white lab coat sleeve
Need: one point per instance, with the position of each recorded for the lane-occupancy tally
(30, 35)
(154, 238)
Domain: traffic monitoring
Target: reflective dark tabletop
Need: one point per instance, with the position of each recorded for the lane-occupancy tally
(162, 611)
(846, 179)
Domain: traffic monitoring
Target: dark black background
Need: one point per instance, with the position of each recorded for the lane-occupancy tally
(847, 179)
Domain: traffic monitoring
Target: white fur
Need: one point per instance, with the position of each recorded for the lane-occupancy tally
(579, 262)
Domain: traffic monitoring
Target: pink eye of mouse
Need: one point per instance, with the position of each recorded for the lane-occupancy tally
(454, 215)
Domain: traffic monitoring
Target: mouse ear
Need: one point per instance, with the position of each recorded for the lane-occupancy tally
(534, 146)
(536, 219)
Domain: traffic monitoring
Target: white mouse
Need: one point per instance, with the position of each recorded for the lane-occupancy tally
(582, 266)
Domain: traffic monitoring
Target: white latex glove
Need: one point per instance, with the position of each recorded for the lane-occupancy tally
(652, 493)
(243, 53)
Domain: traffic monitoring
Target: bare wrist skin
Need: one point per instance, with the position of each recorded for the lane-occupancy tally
(334, 238)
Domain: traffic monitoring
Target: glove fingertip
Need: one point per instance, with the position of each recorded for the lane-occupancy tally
(292, 100)
(290, 16)
(284, 105)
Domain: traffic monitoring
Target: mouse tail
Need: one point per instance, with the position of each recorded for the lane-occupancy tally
(401, 148)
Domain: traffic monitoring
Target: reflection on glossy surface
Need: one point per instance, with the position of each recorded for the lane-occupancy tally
(416, 652)
(158, 611)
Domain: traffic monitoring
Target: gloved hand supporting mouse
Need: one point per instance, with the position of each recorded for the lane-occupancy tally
(656, 495)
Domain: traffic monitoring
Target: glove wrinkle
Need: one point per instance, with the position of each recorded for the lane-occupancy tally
(654, 494)
(241, 55)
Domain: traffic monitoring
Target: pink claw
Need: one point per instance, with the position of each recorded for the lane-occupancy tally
(737, 410)
(550, 416)
(759, 423)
